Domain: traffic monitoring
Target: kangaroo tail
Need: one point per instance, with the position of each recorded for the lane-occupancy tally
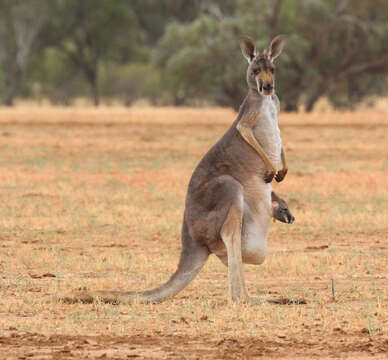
(192, 259)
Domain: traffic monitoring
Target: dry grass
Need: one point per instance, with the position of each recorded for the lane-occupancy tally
(95, 198)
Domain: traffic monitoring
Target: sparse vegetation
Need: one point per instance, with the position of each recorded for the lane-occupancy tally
(93, 197)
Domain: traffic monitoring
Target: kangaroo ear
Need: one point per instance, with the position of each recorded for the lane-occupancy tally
(275, 47)
(248, 48)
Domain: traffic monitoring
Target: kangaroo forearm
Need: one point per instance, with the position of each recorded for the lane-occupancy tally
(284, 162)
(247, 135)
(281, 174)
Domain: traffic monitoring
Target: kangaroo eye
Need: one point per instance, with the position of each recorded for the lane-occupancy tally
(272, 70)
(256, 71)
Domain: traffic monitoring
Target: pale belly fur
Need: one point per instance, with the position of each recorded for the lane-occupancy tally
(267, 131)
(256, 221)
(258, 210)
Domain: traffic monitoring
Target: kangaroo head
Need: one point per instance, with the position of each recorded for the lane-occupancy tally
(261, 70)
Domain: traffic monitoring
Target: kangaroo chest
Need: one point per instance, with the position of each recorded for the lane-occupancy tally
(267, 131)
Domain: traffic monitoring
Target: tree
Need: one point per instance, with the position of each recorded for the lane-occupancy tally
(21, 22)
(346, 41)
(188, 50)
(331, 46)
(90, 31)
(154, 15)
(202, 60)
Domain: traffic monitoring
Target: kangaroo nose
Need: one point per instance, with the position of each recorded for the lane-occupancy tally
(267, 86)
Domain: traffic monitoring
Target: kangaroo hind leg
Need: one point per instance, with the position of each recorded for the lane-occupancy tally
(231, 233)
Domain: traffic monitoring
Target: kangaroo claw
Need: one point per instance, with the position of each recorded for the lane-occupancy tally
(268, 176)
(281, 174)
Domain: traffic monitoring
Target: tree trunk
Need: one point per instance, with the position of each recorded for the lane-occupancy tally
(90, 71)
(95, 91)
(12, 83)
(312, 100)
(93, 81)
(291, 102)
(291, 107)
(179, 99)
(290, 97)
(231, 96)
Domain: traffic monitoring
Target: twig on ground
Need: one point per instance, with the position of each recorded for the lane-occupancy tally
(332, 289)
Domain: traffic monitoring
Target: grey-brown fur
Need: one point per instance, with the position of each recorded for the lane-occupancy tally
(229, 202)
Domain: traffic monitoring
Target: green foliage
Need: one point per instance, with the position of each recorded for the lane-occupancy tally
(329, 47)
(187, 51)
(91, 31)
(94, 28)
(54, 77)
(20, 24)
(202, 60)
(130, 82)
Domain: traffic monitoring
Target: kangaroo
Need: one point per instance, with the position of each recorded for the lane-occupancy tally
(229, 202)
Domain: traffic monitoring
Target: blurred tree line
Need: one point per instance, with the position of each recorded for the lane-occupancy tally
(186, 52)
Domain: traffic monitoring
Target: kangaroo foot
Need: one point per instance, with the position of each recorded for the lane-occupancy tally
(280, 210)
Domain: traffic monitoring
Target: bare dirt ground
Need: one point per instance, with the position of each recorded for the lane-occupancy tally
(94, 198)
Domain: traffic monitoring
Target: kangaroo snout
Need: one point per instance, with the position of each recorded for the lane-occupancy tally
(267, 86)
